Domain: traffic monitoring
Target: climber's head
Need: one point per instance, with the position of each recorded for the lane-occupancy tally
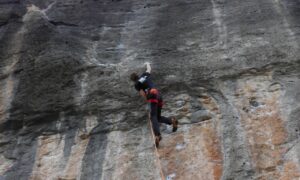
(134, 77)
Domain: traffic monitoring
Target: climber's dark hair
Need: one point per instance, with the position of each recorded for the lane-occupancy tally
(134, 76)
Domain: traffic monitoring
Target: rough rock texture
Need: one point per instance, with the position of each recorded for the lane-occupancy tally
(229, 71)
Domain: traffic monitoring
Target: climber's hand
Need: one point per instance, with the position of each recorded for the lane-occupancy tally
(148, 67)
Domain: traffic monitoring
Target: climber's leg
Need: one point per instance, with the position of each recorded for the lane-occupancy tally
(163, 119)
(166, 120)
(153, 117)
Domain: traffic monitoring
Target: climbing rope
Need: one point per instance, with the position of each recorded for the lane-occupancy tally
(156, 151)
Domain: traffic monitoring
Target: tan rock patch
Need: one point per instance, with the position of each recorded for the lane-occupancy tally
(194, 154)
(265, 130)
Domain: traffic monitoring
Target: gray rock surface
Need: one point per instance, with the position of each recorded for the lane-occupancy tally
(229, 70)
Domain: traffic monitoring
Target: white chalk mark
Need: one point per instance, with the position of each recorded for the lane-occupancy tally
(171, 176)
(286, 24)
(49, 7)
(5, 164)
(180, 146)
(83, 86)
(34, 8)
(82, 81)
(222, 29)
(90, 123)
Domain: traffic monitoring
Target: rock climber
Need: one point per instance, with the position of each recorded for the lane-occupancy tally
(147, 90)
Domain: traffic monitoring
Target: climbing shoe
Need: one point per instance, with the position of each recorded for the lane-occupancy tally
(157, 139)
(175, 124)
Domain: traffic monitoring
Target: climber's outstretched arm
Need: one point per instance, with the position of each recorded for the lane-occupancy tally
(148, 67)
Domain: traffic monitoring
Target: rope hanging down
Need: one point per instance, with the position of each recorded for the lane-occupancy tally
(156, 151)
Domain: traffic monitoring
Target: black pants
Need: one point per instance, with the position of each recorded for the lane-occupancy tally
(156, 118)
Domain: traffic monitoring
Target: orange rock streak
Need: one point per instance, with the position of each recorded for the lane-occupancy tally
(194, 154)
(265, 132)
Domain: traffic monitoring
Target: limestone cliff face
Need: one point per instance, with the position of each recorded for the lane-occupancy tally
(228, 70)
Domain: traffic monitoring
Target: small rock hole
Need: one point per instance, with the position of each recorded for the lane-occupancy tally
(254, 103)
(95, 38)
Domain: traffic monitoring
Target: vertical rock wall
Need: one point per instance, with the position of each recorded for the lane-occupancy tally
(228, 70)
